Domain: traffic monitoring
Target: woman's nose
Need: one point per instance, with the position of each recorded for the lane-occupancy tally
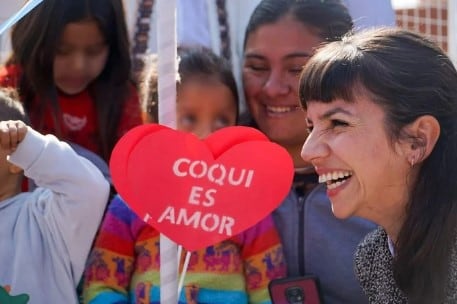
(314, 148)
(276, 84)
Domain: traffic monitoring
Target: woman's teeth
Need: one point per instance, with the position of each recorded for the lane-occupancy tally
(281, 110)
(334, 179)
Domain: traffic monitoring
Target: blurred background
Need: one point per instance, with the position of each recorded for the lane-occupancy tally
(434, 18)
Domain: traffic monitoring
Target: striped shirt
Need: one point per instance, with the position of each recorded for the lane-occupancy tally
(124, 264)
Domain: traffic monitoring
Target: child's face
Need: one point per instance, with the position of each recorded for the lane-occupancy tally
(202, 108)
(80, 58)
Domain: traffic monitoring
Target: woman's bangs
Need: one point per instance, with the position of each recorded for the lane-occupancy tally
(327, 78)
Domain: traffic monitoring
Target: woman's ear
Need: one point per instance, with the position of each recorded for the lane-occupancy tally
(424, 133)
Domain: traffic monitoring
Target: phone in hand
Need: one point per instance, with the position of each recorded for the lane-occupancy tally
(297, 290)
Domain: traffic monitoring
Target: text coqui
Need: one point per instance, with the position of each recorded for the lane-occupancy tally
(215, 173)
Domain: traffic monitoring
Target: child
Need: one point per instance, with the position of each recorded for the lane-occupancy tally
(71, 65)
(47, 233)
(124, 264)
(204, 78)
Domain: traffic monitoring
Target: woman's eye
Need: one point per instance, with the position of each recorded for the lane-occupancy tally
(257, 67)
(338, 123)
(295, 70)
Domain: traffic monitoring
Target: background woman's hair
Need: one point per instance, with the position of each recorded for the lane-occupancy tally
(35, 40)
(384, 64)
(330, 18)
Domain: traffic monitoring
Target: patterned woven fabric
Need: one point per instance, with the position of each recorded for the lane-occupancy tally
(223, 29)
(143, 25)
(141, 38)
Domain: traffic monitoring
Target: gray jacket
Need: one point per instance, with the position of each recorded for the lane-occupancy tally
(316, 242)
(47, 234)
(374, 269)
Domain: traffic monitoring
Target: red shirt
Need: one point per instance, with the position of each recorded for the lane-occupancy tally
(78, 119)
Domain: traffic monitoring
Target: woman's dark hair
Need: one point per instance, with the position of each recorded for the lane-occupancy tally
(35, 40)
(408, 76)
(194, 63)
(330, 18)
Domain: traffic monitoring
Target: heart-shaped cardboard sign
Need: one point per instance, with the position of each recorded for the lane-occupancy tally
(200, 192)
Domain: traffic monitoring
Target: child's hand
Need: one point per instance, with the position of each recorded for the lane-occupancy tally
(12, 132)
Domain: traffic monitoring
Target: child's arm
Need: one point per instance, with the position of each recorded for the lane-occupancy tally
(263, 259)
(73, 192)
(110, 266)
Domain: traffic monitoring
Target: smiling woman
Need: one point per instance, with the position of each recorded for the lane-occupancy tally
(390, 129)
(338, 129)
(281, 36)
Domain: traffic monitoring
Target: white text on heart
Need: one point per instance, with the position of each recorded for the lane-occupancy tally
(216, 173)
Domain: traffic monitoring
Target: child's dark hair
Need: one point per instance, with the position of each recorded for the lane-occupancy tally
(201, 63)
(195, 63)
(10, 106)
(35, 39)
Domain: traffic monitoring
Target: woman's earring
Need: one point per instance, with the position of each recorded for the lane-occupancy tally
(412, 161)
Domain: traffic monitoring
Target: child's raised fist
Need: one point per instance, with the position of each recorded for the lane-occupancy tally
(12, 132)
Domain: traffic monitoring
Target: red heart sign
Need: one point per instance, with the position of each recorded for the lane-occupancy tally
(200, 192)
